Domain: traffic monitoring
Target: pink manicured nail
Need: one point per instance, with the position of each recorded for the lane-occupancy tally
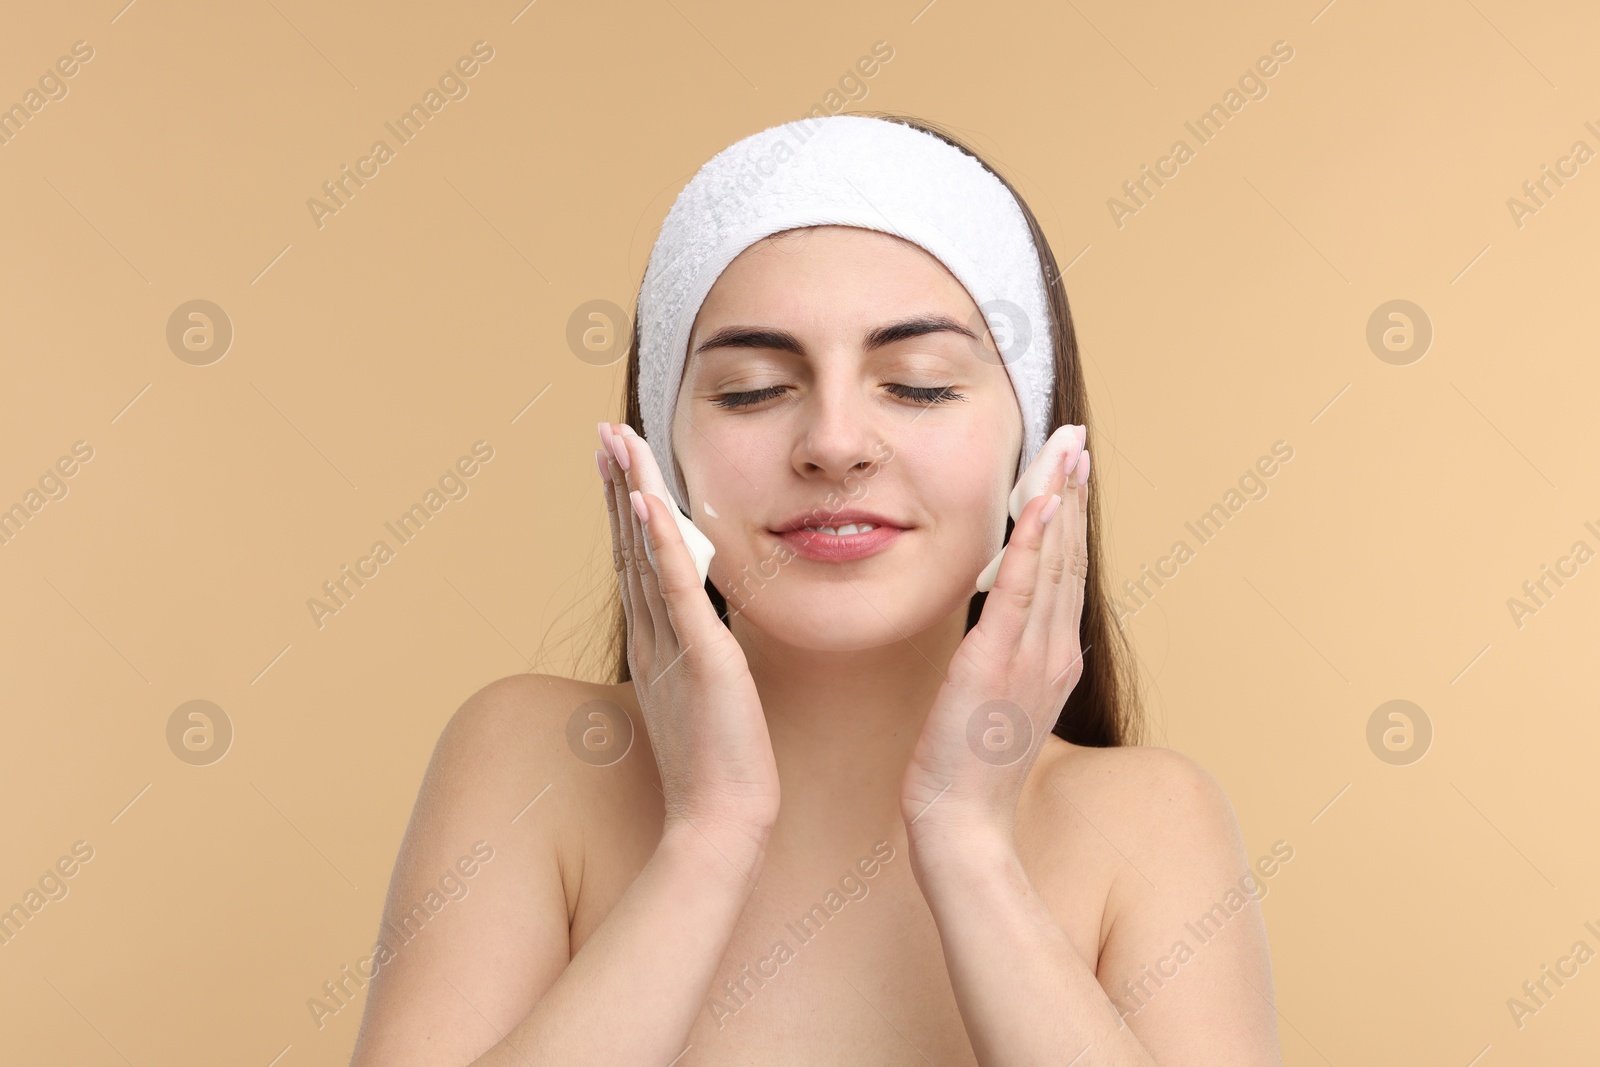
(620, 450)
(638, 506)
(1069, 458)
(1083, 435)
(1049, 509)
(605, 468)
(1083, 470)
(628, 430)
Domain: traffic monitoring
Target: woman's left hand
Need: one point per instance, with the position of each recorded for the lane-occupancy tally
(1012, 673)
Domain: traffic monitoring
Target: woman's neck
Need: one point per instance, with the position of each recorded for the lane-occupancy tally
(843, 725)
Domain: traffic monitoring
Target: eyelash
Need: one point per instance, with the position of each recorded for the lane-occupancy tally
(938, 394)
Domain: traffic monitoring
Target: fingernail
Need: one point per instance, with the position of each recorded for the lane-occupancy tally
(638, 506)
(1083, 470)
(1049, 509)
(605, 468)
(628, 430)
(1083, 435)
(620, 450)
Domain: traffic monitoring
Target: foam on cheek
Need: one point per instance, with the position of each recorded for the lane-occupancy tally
(1038, 474)
(699, 545)
(1030, 485)
(650, 481)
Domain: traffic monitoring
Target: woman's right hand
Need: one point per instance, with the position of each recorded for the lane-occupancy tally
(699, 703)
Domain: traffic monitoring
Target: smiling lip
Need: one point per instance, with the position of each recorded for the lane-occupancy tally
(833, 548)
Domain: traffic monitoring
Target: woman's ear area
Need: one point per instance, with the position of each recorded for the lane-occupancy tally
(681, 428)
(1015, 432)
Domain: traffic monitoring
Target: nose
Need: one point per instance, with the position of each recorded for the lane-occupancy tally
(840, 430)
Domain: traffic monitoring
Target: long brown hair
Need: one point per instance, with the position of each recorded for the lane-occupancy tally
(1103, 710)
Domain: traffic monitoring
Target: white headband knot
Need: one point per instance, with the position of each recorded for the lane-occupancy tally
(845, 170)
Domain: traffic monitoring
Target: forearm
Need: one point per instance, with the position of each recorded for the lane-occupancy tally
(1026, 995)
(631, 993)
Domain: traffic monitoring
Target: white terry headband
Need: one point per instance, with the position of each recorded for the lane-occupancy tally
(845, 170)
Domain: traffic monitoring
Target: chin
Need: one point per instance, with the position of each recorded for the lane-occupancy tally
(832, 611)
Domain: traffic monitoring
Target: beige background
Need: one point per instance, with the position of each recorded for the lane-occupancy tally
(431, 312)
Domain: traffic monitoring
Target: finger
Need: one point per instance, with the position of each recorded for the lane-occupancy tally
(607, 475)
(646, 479)
(1011, 601)
(1066, 649)
(638, 453)
(1035, 481)
(689, 614)
(642, 571)
(618, 485)
(645, 475)
(666, 640)
(1053, 562)
(1062, 442)
(643, 625)
(604, 464)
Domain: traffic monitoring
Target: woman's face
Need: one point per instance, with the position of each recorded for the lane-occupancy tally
(840, 421)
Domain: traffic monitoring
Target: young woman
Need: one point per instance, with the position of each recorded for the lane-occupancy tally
(838, 807)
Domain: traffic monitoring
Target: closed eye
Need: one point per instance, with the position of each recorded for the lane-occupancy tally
(744, 400)
(938, 394)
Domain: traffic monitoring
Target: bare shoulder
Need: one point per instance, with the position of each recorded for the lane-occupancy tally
(1184, 955)
(1155, 806)
(531, 722)
(484, 884)
(1141, 760)
(1147, 784)
(504, 738)
(505, 707)
(530, 742)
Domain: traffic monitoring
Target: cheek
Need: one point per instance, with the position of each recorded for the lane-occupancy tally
(726, 466)
(725, 474)
(961, 493)
(971, 468)
(965, 485)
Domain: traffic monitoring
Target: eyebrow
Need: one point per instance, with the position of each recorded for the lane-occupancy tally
(784, 341)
